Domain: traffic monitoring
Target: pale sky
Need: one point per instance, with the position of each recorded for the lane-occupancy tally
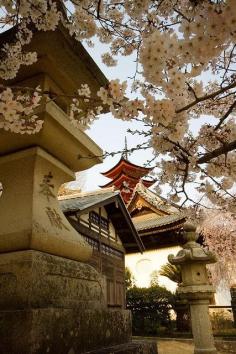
(109, 133)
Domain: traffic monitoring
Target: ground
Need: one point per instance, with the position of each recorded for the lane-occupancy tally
(176, 347)
(170, 347)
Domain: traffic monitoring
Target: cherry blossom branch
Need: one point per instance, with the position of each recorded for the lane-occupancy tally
(224, 149)
(225, 116)
(206, 97)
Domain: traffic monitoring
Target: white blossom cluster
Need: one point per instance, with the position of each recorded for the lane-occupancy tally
(81, 24)
(185, 68)
(219, 232)
(17, 111)
(81, 114)
(43, 14)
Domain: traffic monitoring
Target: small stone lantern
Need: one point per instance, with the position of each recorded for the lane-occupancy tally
(196, 289)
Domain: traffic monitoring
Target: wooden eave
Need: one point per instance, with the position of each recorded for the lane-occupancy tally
(153, 199)
(162, 228)
(166, 238)
(121, 219)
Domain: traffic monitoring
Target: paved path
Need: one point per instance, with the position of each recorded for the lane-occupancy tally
(175, 347)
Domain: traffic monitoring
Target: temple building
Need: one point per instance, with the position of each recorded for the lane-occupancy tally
(103, 220)
(156, 220)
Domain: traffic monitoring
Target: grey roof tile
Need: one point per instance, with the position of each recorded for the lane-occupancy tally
(83, 201)
(158, 221)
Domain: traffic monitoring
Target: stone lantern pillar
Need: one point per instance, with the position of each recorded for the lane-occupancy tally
(196, 288)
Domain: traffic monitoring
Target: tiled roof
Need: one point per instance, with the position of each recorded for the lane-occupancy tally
(154, 222)
(83, 201)
(152, 198)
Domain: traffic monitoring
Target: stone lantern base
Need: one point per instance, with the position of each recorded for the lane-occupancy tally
(50, 304)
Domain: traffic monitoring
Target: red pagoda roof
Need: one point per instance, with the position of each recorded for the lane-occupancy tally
(129, 168)
(125, 176)
(117, 181)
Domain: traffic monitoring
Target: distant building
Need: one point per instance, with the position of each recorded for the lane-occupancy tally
(157, 221)
(125, 176)
(102, 219)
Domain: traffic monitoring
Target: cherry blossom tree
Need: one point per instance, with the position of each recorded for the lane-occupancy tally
(219, 235)
(185, 69)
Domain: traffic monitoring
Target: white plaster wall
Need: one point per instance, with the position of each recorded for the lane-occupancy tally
(142, 266)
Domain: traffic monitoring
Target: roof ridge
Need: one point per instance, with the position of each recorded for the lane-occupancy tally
(89, 193)
(153, 198)
(140, 187)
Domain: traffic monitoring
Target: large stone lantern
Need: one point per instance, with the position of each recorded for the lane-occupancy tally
(51, 300)
(44, 282)
(32, 167)
(196, 289)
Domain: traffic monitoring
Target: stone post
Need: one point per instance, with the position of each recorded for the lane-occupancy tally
(233, 302)
(196, 289)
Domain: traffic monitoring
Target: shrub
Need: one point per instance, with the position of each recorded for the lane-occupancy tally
(150, 309)
(221, 319)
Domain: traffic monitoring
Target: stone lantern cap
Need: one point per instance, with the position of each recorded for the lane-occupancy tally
(192, 251)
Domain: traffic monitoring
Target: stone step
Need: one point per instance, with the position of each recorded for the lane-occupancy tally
(134, 347)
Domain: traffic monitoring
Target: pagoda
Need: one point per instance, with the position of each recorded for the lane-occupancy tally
(156, 219)
(125, 176)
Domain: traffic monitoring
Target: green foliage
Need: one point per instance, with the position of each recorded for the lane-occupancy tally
(221, 319)
(150, 309)
(154, 278)
(129, 279)
(171, 272)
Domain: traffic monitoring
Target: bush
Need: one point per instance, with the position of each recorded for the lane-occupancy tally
(221, 319)
(150, 309)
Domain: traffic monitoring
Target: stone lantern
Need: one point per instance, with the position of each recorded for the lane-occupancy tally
(196, 289)
(51, 299)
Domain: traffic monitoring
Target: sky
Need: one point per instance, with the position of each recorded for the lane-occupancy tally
(109, 133)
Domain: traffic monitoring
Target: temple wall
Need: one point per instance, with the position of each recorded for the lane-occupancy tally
(142, 266)
(85, 217)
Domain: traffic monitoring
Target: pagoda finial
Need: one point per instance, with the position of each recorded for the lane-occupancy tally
(125, 152)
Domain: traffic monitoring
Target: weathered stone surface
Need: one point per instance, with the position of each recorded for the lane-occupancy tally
(68, 144)
(196, 289)
(30, 215)
(135, 347)
(50, 304)
(59, 331)
(32, 279)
